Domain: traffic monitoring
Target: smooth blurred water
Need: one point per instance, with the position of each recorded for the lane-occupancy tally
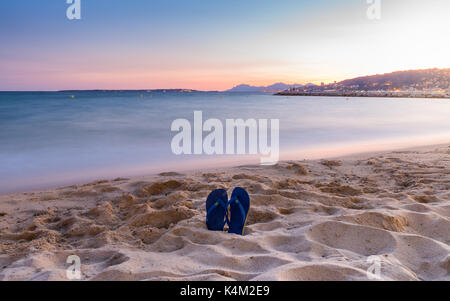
(49, 138)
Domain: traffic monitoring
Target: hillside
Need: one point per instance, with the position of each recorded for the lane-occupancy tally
(434, 83)
(272, 88)
(402, 80)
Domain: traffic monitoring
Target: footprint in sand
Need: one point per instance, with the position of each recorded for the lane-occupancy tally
(427, 258)
(362, 240)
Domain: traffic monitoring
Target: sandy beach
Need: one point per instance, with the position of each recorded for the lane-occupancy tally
(309, 220)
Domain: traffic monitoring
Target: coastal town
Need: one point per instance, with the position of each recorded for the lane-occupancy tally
(362, 93)
(430, 83)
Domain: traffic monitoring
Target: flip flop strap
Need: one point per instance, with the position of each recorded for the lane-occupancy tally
(241, 208)
(216, 205)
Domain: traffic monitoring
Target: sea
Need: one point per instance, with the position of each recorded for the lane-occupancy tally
(50, 139)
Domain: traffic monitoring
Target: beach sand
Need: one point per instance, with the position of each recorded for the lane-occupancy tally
(309, 220)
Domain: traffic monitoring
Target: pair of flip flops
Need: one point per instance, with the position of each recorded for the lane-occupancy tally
(217, 205)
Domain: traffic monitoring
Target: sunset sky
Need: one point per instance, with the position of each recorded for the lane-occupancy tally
(214, 45)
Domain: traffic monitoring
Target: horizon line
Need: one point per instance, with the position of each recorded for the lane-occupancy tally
(197, 90)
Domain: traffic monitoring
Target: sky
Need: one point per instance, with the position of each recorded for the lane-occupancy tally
(214, 45)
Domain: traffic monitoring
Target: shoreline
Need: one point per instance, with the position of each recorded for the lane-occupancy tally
(365, 94)
(337, 152)
(309, 220)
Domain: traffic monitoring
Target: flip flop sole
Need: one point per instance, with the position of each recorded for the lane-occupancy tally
(215, 219)
(239, 209)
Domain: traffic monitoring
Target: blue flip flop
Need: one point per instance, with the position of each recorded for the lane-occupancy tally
(216, 210)
(239, 208)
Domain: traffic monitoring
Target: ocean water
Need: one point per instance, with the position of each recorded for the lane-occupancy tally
(50, 139)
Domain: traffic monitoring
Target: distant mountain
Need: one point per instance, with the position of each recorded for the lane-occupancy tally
(272, 88)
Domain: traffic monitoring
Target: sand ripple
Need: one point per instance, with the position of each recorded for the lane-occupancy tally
(309, 220)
